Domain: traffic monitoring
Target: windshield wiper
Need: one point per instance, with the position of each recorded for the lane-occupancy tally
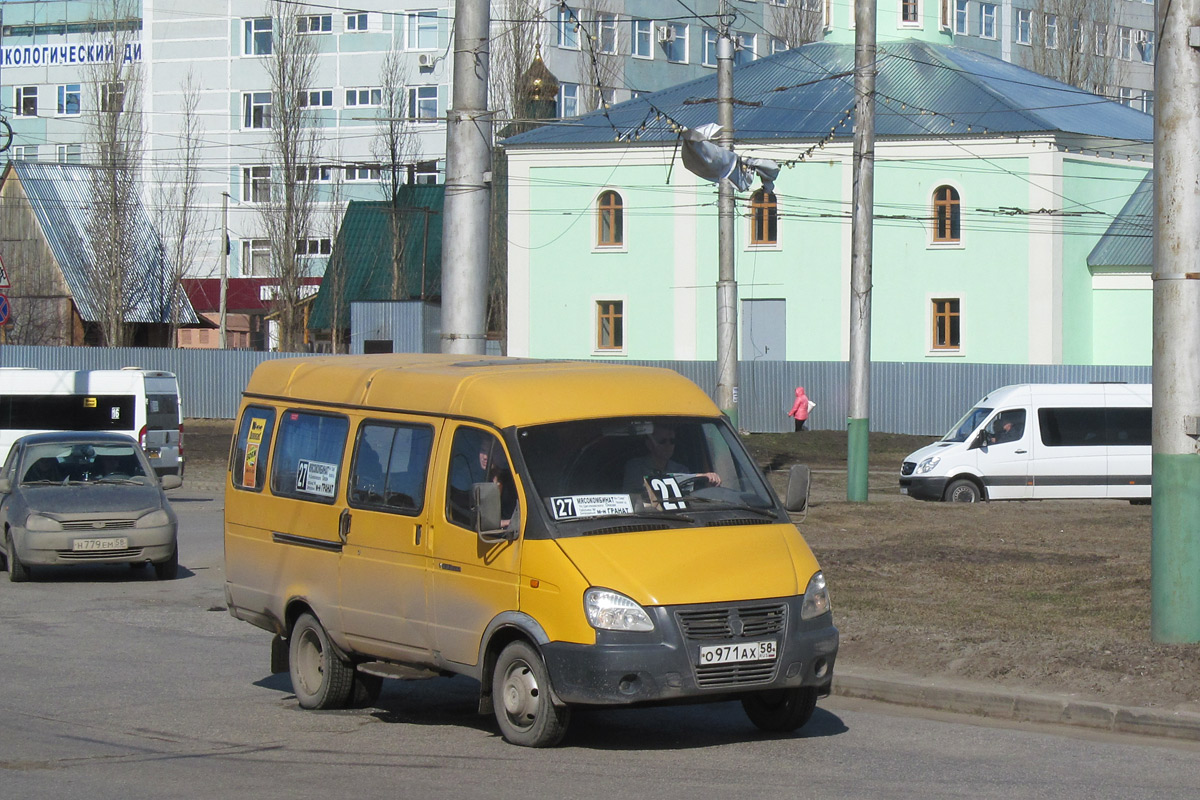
(120, 481)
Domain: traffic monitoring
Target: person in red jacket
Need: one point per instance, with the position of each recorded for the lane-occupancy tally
(801, 408)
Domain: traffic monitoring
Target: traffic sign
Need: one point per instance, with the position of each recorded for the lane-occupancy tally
(3, 309)
(4, 284)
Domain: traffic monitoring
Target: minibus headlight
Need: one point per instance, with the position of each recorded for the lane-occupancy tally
(928, 464)
(155, 519)
(612, 611)
(37, 522)
(816, 598)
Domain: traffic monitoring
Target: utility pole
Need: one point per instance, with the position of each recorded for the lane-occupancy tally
(727, 350)
(859, 423)
(465, 234)
(224, 267)
(1175, 515)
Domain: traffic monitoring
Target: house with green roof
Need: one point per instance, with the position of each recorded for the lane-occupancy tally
(993, 187)
(384, 252)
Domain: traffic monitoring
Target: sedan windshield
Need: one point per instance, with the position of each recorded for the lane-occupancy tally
(970, 421)
(665, 468)
(81, 462)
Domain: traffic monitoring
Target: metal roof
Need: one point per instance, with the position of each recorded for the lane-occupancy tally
(1129, 240)
(361, 267)
(62, 199)
(923, 90)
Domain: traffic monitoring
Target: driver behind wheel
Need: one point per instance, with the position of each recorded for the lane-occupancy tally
(660, 446)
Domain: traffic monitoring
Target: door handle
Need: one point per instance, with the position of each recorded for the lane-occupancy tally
(449, 567)
(1022, 451)
(344, 525)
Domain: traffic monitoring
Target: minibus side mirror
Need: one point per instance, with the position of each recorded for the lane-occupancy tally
(799, 483)
(5, 486)
(979, 441)
(171, 481)
(485, 503)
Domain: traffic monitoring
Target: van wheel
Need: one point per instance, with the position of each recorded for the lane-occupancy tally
(521, 697)
(17, 571)
(320, 678)
(962, 491)
(780, 710)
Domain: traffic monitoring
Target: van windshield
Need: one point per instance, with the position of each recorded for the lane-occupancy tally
(972, 420)
(667, 467)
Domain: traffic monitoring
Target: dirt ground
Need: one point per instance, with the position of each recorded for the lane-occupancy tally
(1046, 596)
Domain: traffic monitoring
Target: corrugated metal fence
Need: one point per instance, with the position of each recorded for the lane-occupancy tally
(917, 398)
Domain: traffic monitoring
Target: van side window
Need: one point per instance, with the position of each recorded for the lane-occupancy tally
(1129, 426)
(308, 455)
(248, 462)
(1007, 426)
(390, 465)
(477, 457)
(1072, 427)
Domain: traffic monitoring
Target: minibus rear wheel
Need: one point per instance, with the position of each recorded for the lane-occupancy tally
(521, 698)
(780, 710)
(320, 678)
(962, 491)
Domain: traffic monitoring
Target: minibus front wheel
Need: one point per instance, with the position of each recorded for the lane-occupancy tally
(781, 710)
(521, 698)
(320, 678)
(963, 491)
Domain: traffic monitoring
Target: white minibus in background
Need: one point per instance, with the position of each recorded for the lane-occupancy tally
(1038, 441)
(139, 402)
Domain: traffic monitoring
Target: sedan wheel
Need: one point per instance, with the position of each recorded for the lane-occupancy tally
(17, 571)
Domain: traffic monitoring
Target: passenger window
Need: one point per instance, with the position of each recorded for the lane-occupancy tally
(1007, 426)
(1129, 426)
(308, 456)
(477, 457)
(390, 465)
(1072, 427)
(248, 464)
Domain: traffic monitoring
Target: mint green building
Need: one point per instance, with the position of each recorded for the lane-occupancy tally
(993, 186)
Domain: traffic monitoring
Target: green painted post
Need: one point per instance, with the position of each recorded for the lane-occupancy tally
(859, 431)
(1175, 549)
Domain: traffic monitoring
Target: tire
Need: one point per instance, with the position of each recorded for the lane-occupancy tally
(521, 699)
(962, 491)
(780, 710)
(17, 571)
(320, 678)
(167, 570)
(365, 690)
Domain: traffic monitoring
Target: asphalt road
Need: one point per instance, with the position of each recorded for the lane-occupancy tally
(114, 685)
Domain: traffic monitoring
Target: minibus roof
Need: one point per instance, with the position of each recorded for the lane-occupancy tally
(499, 390)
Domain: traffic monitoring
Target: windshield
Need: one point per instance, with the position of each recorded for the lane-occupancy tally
(665, 468)
(972, 420)
(66, 463)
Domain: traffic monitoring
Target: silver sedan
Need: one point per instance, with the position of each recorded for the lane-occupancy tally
(85, 498)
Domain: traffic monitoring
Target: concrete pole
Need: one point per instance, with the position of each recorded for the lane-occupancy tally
(465, 233)
(1175, 517)
(224, 267)
(727, 346)
(859, 423)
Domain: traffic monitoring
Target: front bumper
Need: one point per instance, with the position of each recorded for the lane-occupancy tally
(664, 665)
(45, 548)
(922, 488)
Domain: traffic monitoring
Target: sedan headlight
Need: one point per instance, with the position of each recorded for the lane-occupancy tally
(816, 598)
(928, 464)
(38, 522)
(612, 611)
(155, 519)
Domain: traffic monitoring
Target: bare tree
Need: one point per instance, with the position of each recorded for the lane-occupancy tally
(600, 62)
(334, 281)
(395, 148)
(515, 45)
(116, 138)
(177, 211)
(287, 213)
(797, 22)
(1072, 41)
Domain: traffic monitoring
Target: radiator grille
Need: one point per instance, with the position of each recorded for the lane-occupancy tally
(733, 624)
(104, 525)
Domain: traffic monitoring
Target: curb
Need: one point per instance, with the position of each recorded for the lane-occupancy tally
(939, 695)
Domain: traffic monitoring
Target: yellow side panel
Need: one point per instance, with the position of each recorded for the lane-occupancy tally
(557, 600)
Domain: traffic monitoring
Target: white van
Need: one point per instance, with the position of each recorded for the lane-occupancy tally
(1036, 441)
(141, 403)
